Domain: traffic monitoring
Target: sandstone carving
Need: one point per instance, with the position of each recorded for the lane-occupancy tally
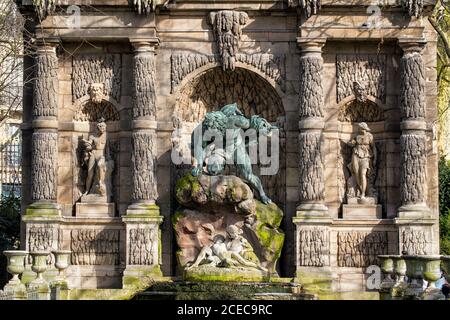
(313, 247)
(44, 164)
(91, 112)
(271, 65)
(367, 69)
(355, 111)
(96, 68)
(413, 7)
(362, 167)
(46, 86)
(414, 164)
(358, 249)
(227, 26)
(44, 7)
(234, 250)
(96, 92)
(95, 247)
(308, 7)
(413, 241)
(253, 94)
(142, 246)
(143, 160)
(42, 238)
(310, 89)
(97, 161)
(310, 162)
(412, 91)
(146, 6)
(144, 104)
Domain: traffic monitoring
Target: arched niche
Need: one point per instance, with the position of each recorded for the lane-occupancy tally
(352, 111)
(212, 88)
(87, 111)
(85, 114)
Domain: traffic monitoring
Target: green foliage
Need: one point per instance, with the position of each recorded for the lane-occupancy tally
(444, 205)
(9, 230)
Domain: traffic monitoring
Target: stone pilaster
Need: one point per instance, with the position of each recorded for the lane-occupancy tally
(143, 236)
(311, 124)
(44, 145)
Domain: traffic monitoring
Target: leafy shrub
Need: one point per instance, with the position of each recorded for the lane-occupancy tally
(444, 205)
(9, 231)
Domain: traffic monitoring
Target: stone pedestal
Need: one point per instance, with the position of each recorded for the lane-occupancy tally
(312, 242)
(361, 211)
(95, 210)
(143, 247)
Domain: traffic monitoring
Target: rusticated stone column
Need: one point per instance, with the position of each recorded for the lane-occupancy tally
(311, 124)
(143, 256)
(44, 153)
(414, 221)
(413, 185)
(312, 220)
(144, 187)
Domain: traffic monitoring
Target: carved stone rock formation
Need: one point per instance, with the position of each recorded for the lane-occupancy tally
(217, 193)
(211, 204)
(144, 104)
(308, 7)
(357, 249)
(311, 186)
(355, 111)
(91, 112)
(95, 247)
(313, 247)
(369, 69)
(44, 164)
(96, 68)
(46, 85)
(310, 88)
(142, 246)
(227, 26)
(413, 241)
(414, 164)
(413, 7)
(144, 186)
(271, 65)
(412, 91)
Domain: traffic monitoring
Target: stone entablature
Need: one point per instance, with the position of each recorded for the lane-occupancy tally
(312, 75)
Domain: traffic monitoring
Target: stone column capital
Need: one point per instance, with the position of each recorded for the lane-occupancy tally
(311, 45)
(141, 45)
(47, 45)
(412, 45)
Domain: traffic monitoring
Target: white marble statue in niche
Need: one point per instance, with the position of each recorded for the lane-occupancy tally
(97, 161)
(230, 251)
(360, 185)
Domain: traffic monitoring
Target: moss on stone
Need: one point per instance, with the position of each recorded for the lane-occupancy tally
(269, 219)
(187, 188)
